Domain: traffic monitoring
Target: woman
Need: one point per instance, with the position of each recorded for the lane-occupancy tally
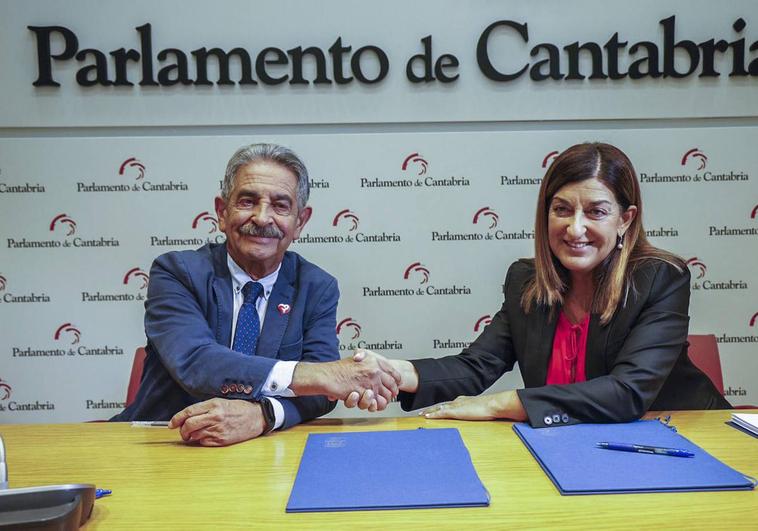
(597, 321)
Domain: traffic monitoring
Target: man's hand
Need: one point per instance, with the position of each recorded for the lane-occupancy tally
(366, 400)
(219, 422)
(373, 376)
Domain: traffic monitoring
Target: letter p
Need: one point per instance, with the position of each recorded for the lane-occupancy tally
(45, 56)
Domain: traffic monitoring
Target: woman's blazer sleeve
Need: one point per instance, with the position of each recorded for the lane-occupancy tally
(646, 338)
(477, 367)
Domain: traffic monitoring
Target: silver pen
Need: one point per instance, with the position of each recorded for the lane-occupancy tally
(149, 424)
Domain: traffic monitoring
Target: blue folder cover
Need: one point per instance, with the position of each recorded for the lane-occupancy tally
(570, 457)
(407, 469)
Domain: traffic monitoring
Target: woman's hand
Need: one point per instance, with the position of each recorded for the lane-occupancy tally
(367, 399)
(503, 405)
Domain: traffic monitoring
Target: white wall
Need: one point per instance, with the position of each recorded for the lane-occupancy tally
(479, 135)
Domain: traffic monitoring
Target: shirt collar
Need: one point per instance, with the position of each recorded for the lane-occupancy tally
(240, 278)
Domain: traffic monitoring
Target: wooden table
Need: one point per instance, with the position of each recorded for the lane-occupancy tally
(159, 482)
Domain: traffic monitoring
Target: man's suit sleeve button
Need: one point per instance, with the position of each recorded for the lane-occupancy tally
(224, 389)
(248, 389)
(557, 419)
(548, 420)
(233, 388)
(565, 418)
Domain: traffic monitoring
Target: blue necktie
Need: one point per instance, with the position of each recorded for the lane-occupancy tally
(248, 325)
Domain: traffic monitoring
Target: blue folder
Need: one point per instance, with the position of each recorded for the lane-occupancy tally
(407, 469)
(570, 457)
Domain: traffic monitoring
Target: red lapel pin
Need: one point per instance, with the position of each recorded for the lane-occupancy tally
(283, 309)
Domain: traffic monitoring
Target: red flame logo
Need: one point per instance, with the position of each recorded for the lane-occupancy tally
(349, 323)
(68, 328)
(415, 158)
(695, 153)
(548, 160)
(417, 266)
(483, 321)
(5, 389)
(206, 216)
(696, 263)
(488, 212)
(136, 272)
(133, 163)
(63, 219)
(346, 214)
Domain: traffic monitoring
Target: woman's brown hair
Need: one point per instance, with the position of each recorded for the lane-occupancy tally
(613, 276)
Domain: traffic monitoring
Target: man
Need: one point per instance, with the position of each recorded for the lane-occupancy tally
(239, 333)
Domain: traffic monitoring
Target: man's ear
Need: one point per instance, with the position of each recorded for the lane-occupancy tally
(220, 206)
(302, 218)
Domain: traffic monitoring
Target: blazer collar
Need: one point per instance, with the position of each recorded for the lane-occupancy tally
(541, 323)
(224, 295)
(278, 310)
(597, 337)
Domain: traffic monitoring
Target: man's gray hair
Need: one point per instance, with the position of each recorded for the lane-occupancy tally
(270, 153)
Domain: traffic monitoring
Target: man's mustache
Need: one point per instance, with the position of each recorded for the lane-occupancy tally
(267, 231)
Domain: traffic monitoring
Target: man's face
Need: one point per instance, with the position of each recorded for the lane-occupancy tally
(261, 217)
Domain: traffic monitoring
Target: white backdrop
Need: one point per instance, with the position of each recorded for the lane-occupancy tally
(72, 310)
(423, 194)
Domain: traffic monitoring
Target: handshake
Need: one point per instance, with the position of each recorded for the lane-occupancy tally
(367, 380)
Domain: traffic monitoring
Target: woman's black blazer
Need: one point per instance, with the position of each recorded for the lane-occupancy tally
(635, 363)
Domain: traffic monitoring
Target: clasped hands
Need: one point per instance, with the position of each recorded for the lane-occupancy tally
(398, 375)
(505, 404)
(366, 380)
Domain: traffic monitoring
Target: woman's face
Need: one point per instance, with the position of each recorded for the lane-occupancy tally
(583, 223)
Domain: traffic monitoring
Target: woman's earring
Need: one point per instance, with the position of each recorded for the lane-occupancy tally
(619, 241)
